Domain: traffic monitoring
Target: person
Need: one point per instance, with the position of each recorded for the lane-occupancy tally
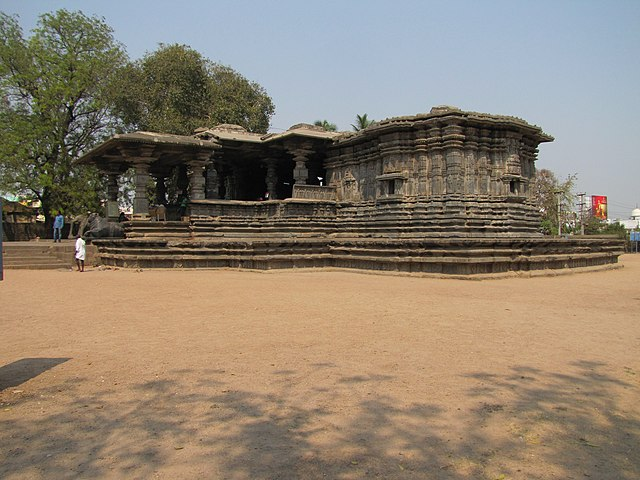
(81, 251)
(58, 223)
(122, 217)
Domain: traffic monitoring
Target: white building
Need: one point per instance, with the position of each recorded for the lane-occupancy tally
(632, 223)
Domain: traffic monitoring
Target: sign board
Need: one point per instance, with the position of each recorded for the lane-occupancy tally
(599, 206)
(635, 236)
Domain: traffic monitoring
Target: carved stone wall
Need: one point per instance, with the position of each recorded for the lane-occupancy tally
(447, 155)
(459, 153)
(314, 192)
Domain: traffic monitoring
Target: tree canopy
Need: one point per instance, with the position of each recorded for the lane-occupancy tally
(549, 193)
(55, 90)
(176, 90)
(69, 85)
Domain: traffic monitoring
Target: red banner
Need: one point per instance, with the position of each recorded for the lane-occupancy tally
(599, 206)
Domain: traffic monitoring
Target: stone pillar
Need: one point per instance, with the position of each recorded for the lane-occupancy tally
(453, 140)
(436, 162)
(421, 177)
(196, 179)
(470, 167)
(272, 178)
(300, 171)
(140, 200)
(484, 160)
(112, 196)
(436, 173)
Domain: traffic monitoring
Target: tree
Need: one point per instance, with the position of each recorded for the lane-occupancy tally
(55, 105)
(362, 122)
(176, 90)
(549, 193)
(166, 91)
(596, 226)
(328, 126)
(234, 99)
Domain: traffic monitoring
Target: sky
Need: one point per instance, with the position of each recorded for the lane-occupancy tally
(571, 67)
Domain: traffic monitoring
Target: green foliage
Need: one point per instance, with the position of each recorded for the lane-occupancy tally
(616, 229)
(166, 91)
(328, 126)
(55, 91)
(176, 90)
(237, 100)
(595, 226)
(362, 122)
(547, 190)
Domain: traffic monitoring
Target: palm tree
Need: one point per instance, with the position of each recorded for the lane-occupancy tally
(329, 127)
(362, 122)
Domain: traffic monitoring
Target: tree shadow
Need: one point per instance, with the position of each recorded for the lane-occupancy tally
(581, 424)
(18, 372)
(525, 424)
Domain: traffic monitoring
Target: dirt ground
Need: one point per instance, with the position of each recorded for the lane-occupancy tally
(319, 374)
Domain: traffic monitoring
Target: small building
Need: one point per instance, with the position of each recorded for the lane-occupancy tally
(633, 222)
(18, 221)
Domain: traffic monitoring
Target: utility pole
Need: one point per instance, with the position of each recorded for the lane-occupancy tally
(581, 205)
(559, 197)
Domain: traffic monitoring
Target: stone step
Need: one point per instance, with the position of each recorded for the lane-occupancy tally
(461, 256)
(38, 266)
(43, 255)
(15, 259)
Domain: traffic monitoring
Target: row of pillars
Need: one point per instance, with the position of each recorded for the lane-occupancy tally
(201, 173)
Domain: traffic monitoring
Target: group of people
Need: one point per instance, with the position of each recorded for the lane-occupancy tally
(81, 245)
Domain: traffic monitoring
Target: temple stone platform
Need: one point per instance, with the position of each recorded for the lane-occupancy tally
(232, 244)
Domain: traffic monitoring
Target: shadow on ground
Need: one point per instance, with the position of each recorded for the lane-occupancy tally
(527, 424)
(20, 371)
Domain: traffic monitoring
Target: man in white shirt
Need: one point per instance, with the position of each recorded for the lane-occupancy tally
(80, 253)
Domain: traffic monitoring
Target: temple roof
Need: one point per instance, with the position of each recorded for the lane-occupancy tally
(238, 133)
(440, 115)
(129, 148)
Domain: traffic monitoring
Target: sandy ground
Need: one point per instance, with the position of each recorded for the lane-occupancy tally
(296, 374)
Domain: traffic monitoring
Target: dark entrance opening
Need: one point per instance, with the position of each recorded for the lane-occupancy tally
(284, 171)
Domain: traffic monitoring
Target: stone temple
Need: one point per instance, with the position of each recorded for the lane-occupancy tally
(446, 192)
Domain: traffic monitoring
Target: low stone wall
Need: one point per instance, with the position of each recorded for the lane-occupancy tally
(269, 209)
(314, 192)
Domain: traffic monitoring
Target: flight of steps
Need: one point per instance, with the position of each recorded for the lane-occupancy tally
(42, 255)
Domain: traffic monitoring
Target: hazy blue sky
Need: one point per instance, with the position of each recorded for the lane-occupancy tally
(570, 66)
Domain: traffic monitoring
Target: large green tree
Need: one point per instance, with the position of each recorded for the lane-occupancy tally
(55, 89)
(550, 194)
(176, 90)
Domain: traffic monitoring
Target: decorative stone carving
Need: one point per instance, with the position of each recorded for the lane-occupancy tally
(196, 179)
(140, 200)
(112, 195)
